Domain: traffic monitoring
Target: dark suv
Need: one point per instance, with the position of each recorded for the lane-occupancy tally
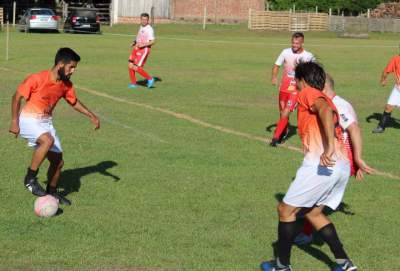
(82, 21)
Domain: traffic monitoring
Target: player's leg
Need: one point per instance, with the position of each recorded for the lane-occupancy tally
(53, 175)
(281, 126)
(288, 103)
(287, 231)
(393, 101)
(141, 61)
(327, 231)
(385, 119)
(44, 143)
(132, 75)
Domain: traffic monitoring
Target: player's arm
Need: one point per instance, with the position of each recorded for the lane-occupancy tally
(81, 108)
(325, 116)
(356, 140)
(384, 78)
(274, 75)
(15, 109)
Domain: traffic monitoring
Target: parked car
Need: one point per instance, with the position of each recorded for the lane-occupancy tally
(39, 19)
(82, 21)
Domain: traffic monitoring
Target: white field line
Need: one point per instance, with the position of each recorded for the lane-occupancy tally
(265, 44)
(200, 122)
(135, 131)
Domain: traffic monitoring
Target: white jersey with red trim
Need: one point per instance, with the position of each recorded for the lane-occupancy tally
(347, 116)
(289, 60)
(145, 34)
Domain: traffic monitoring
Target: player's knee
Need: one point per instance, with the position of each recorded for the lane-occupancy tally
(389, 108)
(283, 210)
(46, 140)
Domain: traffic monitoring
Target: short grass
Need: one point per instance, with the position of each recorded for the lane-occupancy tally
(154, 192)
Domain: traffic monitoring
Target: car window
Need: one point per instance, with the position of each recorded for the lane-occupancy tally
(42, 12)
(85, 13)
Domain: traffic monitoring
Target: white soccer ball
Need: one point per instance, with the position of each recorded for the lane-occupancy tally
(46, 206)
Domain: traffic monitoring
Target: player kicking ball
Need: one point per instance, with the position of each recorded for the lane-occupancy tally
(353, 143)
(141, 50)
(394, 98)
(288, 90)
(322, 178)
(41, 92)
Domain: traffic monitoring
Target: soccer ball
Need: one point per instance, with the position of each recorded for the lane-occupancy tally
(46, 206)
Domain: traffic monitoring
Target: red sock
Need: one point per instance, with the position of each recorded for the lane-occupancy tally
(280, 127)
(132, 76)
(307, 228)
(143, 73)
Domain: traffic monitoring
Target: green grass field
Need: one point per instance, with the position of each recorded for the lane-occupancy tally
(155, 190)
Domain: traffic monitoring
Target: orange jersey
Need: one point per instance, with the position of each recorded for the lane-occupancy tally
(42, 94)
(393, 66)
(310, 130)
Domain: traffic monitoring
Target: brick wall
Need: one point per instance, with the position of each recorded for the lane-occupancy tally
(217, 10)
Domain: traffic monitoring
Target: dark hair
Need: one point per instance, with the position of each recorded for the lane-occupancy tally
(312, 73)
(66, 55)
(145, 15)
(297, 35)
(329, 80)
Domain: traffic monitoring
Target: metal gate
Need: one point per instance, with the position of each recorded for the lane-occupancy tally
(133, 8)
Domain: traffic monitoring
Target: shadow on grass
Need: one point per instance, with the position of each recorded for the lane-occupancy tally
(292, 130)
(392, 123)
(143, 83)
(317, 240)
(70, 180)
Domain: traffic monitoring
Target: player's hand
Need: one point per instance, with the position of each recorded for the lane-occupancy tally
(96, 122)
(326, 159)
(383, 82)
(363, 167)
(274, 81)
(14, 128)
(133, 44)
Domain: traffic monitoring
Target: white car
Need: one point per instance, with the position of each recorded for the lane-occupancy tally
(39, 19)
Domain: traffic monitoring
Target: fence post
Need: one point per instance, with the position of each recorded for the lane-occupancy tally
(7, 40)
(152, 15)
(368, 13)
(249, 21)
(14, 12)
(267, 5)
(294, 8)
(316, 9)
(205, 17)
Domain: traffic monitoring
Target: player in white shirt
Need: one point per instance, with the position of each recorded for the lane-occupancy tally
(141, 50)
(288, 90)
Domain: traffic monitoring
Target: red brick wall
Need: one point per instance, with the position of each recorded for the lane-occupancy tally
(219, 10)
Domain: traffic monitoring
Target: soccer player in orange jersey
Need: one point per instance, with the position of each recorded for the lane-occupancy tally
(351, 137)
(394, 99)
(141, 50)
(288, 91)
(42, 91)
(322, 178)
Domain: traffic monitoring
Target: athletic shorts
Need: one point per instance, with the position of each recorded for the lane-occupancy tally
(315, 185)
(394, 98)
(32, 128)
(139, 56)
(288, 100)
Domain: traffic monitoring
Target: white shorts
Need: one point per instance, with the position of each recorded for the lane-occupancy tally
(32, 128)
(315, 185)
(394, 98)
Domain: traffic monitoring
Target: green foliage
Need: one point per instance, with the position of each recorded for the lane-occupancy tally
(348, 6)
